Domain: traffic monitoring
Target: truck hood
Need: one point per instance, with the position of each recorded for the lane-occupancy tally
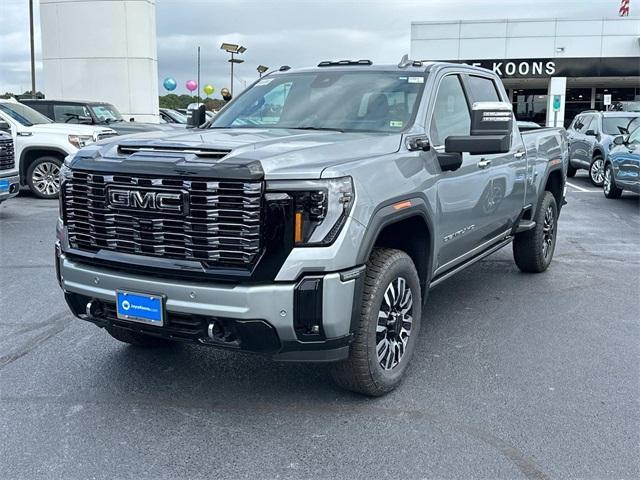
(68, 129)
(269, 153)
(127, 128)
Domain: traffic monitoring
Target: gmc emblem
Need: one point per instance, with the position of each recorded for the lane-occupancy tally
(147, 200)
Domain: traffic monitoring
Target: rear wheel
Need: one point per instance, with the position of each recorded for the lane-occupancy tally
(533, 249)
(138, 339)
(388, 328)
(609, 186)
(43, 177)
(596, 171)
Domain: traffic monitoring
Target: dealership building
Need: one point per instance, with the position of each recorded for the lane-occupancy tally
(588, 63)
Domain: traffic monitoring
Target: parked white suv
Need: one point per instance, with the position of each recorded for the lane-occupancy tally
(41, 145)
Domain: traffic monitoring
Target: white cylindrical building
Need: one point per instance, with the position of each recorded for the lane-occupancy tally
(102, 50)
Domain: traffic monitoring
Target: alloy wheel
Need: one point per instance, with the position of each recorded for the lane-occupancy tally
(395, 320)
(45, 178)
(597, 171)
(548, 231)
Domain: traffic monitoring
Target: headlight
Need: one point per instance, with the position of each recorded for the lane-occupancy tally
(321, 208)
(80, 141)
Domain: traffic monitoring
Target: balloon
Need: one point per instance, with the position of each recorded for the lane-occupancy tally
(191, 85)
(208, 89)
(169, 84)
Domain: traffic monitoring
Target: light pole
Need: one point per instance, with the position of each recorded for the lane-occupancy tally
(261, 69)
(233, 49)
(33, 51)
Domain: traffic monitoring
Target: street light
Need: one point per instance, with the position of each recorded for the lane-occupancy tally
(233, 49)
(261, 69)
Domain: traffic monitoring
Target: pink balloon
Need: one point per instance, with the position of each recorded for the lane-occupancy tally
(191, 85)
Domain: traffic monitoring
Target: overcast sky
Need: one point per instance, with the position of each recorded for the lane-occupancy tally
(279, 32)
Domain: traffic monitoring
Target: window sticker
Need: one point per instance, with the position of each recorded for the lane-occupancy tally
(396, 124)
(415, 79)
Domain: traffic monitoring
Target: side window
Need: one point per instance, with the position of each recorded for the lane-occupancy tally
(70, 113)
(483, 89)
(587, 123)
(450, 111)
(575, 124)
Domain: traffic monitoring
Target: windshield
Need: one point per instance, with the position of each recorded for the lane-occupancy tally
(27, 116)
(345, 101)
(106, 113)
(618, 125)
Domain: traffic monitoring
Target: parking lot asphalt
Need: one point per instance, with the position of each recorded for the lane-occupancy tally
(514, 376)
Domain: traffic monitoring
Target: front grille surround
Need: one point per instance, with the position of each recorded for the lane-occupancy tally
(7, 154)
(221, 226)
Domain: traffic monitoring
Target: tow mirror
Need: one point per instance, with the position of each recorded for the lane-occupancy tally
(197, 117)
(4, 126)
(619, 140)
(590, 133)
(491, 130)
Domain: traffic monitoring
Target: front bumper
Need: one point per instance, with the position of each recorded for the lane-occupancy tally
(9, 187)
(259, 318)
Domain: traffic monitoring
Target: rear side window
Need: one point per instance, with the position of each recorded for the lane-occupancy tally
(450, 112)
(483, 89)
(71, 113)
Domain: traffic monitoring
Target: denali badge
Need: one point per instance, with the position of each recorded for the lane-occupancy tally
(146, 200)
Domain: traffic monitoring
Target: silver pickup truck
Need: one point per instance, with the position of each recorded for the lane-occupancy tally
(310, 218)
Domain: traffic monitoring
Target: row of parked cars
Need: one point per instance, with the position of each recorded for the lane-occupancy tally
(41, 133)
(607, 146)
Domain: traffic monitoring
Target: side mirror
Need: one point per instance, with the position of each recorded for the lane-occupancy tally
(590, 133)
(226, 94)
(197, 117)
(619, 140)
(491, 130)
(4, 126)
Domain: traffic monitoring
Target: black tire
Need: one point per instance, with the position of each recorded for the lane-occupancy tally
(533, 249)
(42, 177)
(609, 187)
(596, 171)
(571, 171)
(138, 339)
(362, 371)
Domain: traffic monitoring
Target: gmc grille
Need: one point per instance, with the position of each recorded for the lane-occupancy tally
(220, 225)
(7, 155)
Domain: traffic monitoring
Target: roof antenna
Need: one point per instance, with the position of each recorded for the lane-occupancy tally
(404, 61)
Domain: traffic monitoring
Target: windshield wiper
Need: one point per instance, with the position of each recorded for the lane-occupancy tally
(329, 129)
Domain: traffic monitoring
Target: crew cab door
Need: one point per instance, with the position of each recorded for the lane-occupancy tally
(460, 228)
(503, 199)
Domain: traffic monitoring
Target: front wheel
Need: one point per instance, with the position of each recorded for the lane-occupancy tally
(533, 249)
(596, 171)
(388, 328)
(43, 177)
(610, 188)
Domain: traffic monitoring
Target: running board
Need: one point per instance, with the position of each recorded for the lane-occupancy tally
(470, 262)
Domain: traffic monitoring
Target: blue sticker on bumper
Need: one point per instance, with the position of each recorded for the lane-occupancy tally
(139, 307)
(4, 185)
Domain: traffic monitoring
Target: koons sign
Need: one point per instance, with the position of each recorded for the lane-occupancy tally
(560, 67)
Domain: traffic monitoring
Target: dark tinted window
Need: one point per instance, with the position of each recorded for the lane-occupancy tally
(71, 114)
(450, 111)
(483, 89)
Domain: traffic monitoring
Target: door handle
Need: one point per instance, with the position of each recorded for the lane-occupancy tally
(484, 163)
(519, 155)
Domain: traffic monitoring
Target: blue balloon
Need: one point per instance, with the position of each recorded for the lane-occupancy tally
(169, 84)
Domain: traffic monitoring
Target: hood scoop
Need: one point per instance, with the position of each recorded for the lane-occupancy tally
(208, 153)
